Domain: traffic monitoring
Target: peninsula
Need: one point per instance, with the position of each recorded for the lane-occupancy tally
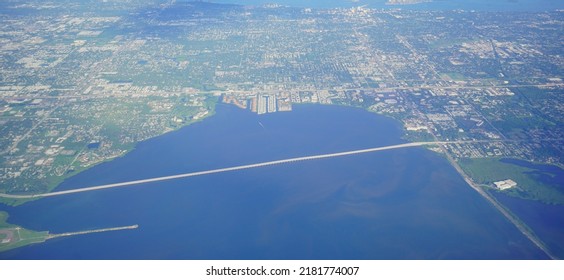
(12, 236)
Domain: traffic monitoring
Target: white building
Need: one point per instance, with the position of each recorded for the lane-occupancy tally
(504, 185)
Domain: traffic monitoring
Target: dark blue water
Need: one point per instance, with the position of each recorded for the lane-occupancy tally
(397, 204)
(547, 221)
(548, 174)
(478, 5)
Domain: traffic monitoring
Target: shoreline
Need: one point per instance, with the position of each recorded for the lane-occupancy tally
(521, 226)
(19, 199)
(227, 169)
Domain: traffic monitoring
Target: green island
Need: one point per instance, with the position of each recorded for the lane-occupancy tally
(486, 171)
(12, 236)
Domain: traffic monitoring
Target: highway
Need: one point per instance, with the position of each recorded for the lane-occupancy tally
(272, 91)
(228, 169)
(520, 226)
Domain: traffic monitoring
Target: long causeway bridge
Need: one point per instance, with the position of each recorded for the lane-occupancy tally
(228, 169)
(520, 226)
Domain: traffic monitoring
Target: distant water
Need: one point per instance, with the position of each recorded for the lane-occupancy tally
(397, 204)
(478, 5)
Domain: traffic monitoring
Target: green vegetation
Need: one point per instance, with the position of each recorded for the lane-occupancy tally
(488, 170)
(453, 76)
(12, 236)
(418, 136)
(115, 126)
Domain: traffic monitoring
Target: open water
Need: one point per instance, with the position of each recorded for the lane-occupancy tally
(396, 204)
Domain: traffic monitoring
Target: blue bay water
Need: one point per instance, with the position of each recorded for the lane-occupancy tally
(479, 5)
(396, 204)
(547, 221)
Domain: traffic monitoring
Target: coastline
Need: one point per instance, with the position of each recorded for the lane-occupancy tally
(12, 200)
(520, 225)
(523, 228)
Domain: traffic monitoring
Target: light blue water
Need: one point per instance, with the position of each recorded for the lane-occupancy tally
(397, 204)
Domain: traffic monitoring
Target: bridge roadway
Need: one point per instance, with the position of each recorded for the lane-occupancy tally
(51, 236)
(241, 167)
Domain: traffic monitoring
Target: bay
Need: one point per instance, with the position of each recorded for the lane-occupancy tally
(396, 204)
(547, 221)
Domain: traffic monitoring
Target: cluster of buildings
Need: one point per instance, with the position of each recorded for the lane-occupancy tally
(75, 80)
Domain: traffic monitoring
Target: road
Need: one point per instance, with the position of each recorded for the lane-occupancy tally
(506, 213)
(228, 169)
(520, 226)
(272, 91)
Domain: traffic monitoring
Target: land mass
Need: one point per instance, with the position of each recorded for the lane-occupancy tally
(444, 74)
(199, 173)
(83, 83)
(12, 236)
